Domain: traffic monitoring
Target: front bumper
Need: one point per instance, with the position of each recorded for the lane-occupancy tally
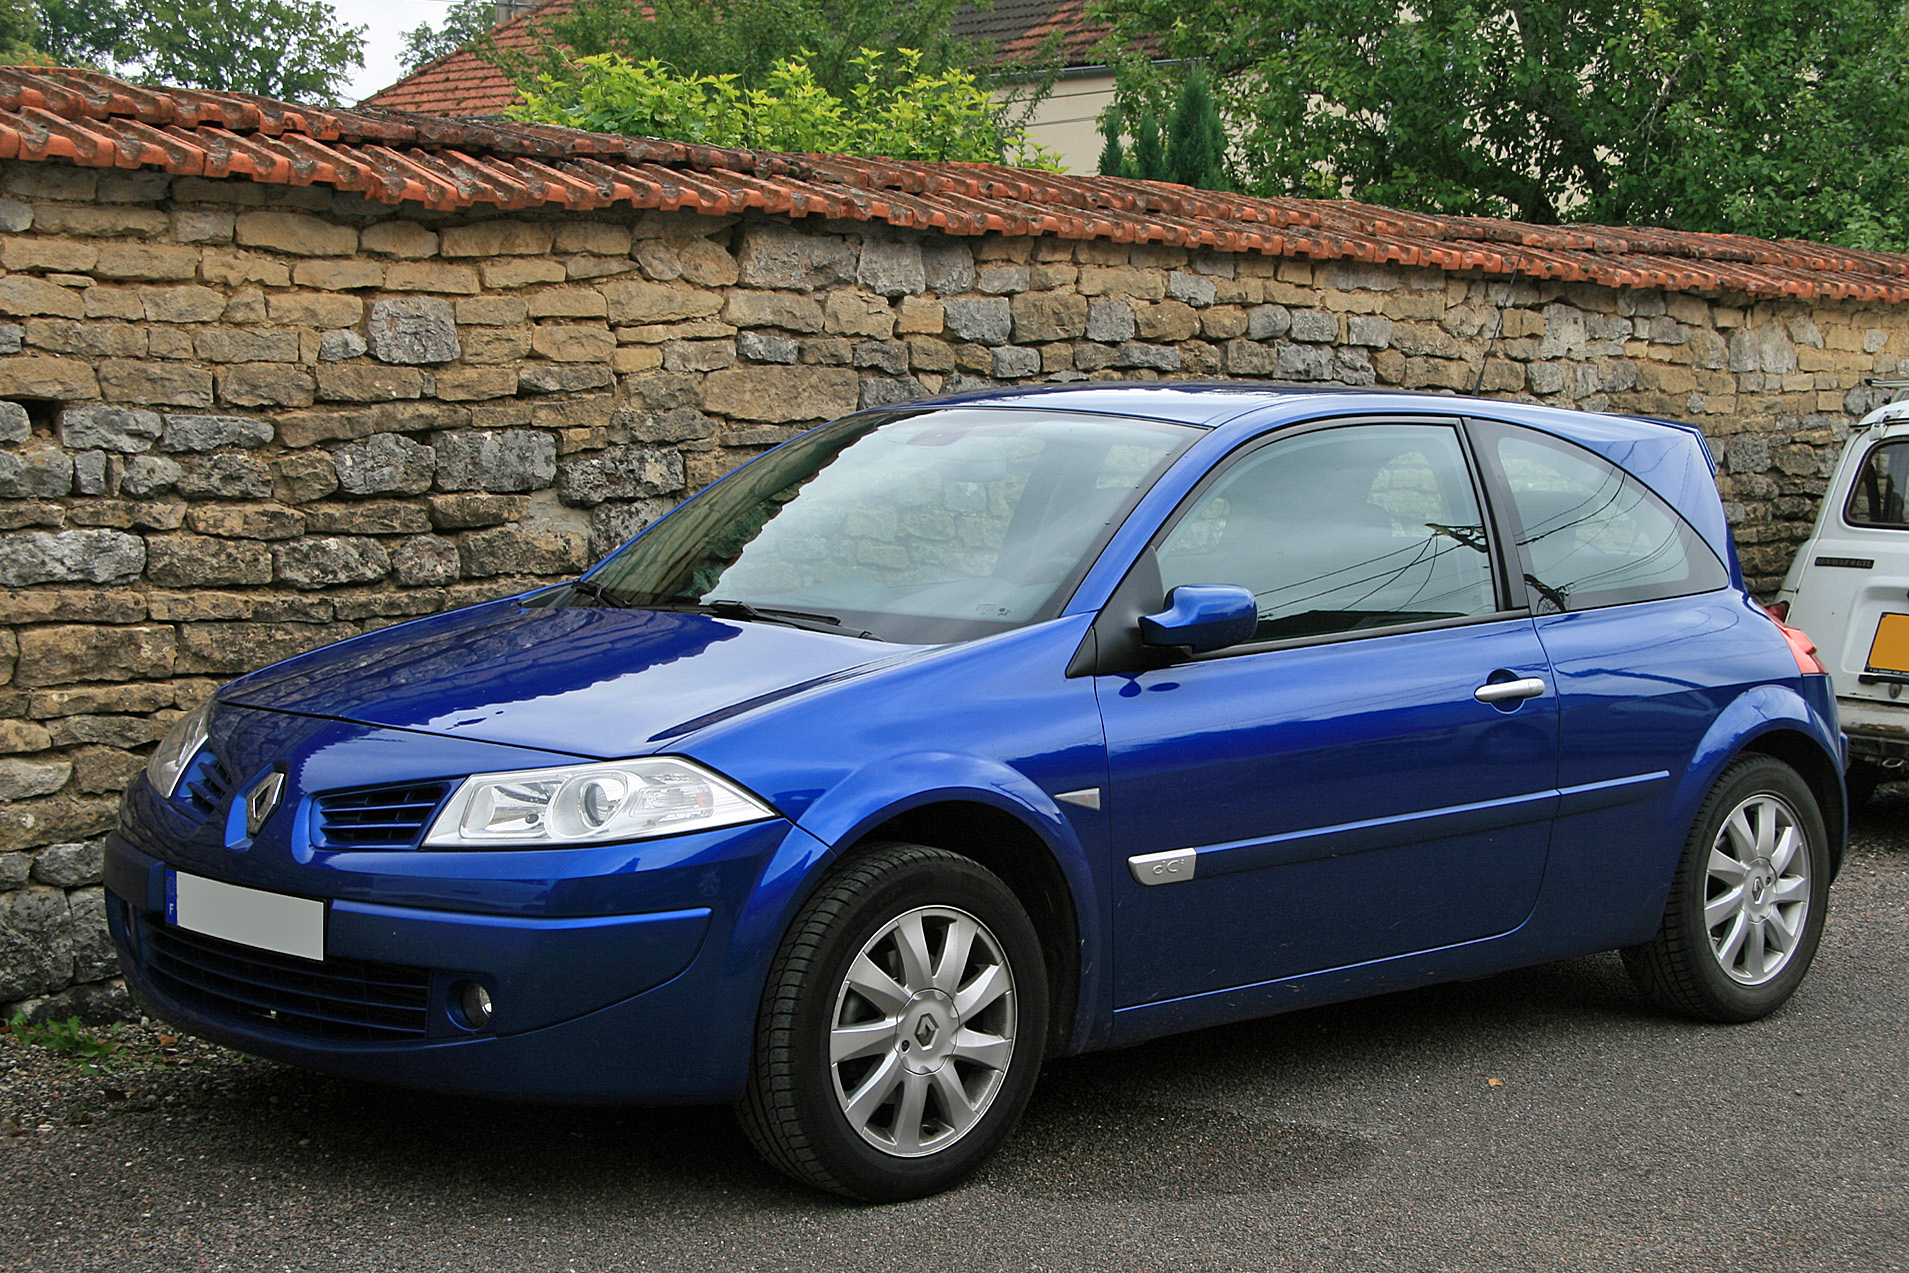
(654, 1007)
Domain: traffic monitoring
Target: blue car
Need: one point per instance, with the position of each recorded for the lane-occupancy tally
(950, 737)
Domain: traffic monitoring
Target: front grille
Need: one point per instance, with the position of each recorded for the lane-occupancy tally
(348, 999)
(206, 783)
(382, 818)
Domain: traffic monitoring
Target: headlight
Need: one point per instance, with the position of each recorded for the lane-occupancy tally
(177, 748)
(585, 804)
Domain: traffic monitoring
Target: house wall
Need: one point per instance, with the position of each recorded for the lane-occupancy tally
(1067, 120)
(238, 421)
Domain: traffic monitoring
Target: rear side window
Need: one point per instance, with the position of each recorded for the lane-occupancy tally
(1876, 499)
(1592, 535)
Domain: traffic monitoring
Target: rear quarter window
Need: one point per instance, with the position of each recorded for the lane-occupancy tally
(1588, 533)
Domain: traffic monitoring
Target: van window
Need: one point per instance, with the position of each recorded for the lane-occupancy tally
(1876, 499)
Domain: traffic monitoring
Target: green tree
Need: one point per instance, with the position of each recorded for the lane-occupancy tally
(19, 29)
(744, 38)
(891, 107)
(1113, 153)
(1768, 117)
(1190, 150)
(466, 22)
(96, 33)
(1149, 159)
(292, 49)
(1196, 139)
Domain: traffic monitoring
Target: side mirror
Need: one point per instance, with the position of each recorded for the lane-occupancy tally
(1205, 617)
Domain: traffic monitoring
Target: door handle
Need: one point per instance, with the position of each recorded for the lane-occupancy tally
(1505, 691)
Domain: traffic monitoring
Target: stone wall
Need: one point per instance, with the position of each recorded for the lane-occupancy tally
(240, 420)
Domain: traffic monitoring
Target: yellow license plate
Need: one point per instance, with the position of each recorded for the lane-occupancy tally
(1889, 652)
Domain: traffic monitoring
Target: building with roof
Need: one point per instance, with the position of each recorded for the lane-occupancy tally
(273, 375)
(1055, 34)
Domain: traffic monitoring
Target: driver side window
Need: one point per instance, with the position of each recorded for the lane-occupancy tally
(1341, 530)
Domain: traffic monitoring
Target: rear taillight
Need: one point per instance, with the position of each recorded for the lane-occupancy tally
(1801, 647)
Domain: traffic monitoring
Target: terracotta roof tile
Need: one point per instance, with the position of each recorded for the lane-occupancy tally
(1018, 30)
(462, 83)
(397, 157)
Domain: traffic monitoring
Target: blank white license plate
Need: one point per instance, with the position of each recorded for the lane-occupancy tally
(247, 916)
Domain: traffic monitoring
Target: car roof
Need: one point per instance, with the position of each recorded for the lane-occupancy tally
(1203, 403)
(1209, 404)
(1671, 458)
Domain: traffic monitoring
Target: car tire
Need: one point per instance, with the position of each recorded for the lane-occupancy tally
(1746, 907)
(902, 1028)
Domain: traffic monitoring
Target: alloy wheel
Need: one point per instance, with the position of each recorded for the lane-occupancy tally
(1757, 890)
(922, 1031)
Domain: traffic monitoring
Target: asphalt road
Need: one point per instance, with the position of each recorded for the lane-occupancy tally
(1361, 1137)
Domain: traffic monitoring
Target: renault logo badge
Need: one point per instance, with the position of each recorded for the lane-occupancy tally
(262, 800)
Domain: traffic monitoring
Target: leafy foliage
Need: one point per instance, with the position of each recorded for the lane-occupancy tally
(1769, 117)
(747, 39)
(295, 49)
(890, 106)
(19, 30)
(69, 1038)
(467, 21)
(87, 32)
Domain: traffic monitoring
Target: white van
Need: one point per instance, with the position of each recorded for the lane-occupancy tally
(1849, 589)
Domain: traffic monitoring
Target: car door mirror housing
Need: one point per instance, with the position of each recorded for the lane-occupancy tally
(1203, 617)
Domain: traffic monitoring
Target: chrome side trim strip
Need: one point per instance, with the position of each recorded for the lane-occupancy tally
(1348, 838)
(1611, 792)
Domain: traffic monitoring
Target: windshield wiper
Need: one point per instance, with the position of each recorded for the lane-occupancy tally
(728, 608)
(743, 610)
(598, 593)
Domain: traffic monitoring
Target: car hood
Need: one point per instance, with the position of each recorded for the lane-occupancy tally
(588, 681)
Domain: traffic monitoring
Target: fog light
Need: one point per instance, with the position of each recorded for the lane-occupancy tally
(475, 1003)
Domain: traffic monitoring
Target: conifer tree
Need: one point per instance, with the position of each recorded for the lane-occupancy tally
(1113, 156)
(1149, 156)
(1196, 140)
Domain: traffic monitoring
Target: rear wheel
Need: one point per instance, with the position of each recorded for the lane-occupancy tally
(1746, 908)
(902, 1028)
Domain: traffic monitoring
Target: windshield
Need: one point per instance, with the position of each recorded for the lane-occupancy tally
(918, 527)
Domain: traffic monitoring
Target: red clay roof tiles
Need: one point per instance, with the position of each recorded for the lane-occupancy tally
(462, 83)
(1056, 31)
(396, 157)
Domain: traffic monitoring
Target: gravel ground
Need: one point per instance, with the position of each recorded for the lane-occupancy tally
(1538, 1120)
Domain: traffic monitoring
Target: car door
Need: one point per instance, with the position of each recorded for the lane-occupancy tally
(1373, 773)
(1648, 644)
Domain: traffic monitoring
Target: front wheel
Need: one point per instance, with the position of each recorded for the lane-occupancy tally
(902, 1028)
(1746, 908)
